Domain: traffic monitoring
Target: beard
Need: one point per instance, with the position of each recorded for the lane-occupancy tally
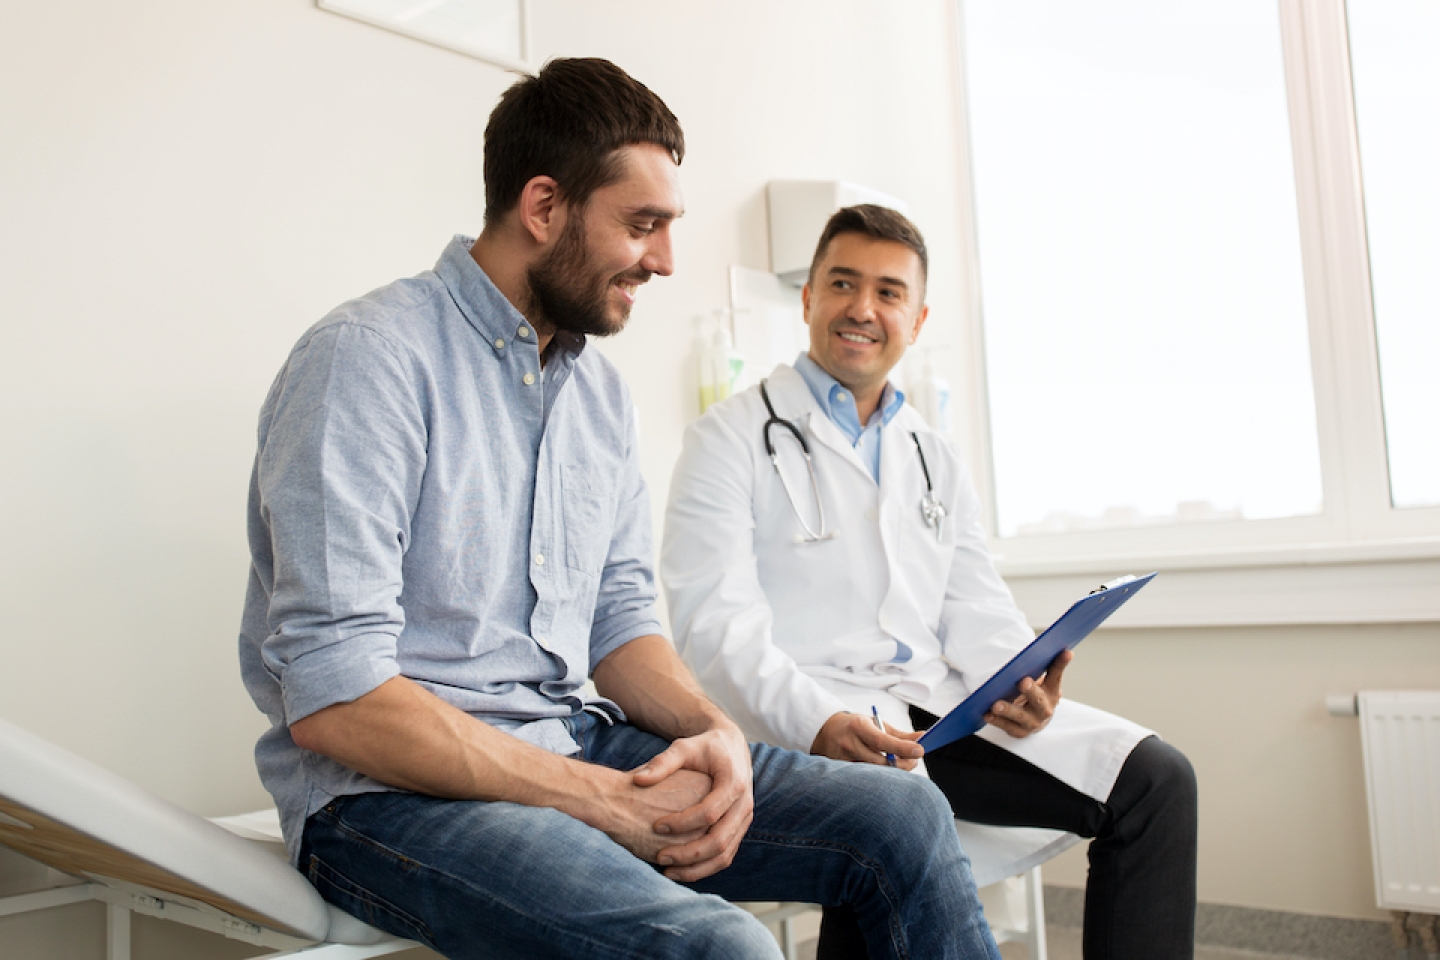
(569, 293)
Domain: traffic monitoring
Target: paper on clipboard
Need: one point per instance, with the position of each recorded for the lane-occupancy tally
(1074, 625)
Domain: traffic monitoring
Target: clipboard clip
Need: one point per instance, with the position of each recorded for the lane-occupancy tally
(1117, 582)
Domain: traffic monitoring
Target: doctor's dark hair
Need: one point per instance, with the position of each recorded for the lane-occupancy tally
(568, 122)
(875, 221)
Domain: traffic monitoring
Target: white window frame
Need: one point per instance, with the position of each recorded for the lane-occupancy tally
(402, 23)
(1361, 560)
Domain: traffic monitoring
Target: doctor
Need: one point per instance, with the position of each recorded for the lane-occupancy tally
(824, 557)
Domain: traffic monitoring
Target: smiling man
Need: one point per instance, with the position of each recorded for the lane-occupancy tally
(833, 572)
(449, 533)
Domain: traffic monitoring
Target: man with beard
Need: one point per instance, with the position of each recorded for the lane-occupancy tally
(449, 533)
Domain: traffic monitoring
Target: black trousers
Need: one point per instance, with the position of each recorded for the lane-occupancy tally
(1140, 893)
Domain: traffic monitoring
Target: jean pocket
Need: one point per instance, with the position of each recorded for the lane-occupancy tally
(588, 509)
(361, 902)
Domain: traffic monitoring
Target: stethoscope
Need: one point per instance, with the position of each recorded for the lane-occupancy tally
(931, 509)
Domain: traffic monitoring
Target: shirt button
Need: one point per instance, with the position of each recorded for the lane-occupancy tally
(500, 342)
(544, 644)
(539, 559)
(523, 332)
(840, 396)
(529, 379)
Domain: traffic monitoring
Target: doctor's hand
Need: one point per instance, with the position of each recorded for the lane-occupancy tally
(705, 836)
(850, 736)
(1032, 709)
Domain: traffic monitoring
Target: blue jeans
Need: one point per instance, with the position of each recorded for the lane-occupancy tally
(497, 880)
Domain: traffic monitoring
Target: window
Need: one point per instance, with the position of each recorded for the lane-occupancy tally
(1174, 292)
(1140, 260)
(1397, 105)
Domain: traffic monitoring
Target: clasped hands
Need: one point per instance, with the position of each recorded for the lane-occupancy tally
(690, 806)
(851, 736)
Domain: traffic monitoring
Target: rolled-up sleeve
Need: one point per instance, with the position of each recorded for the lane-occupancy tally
(338, 474)
(625, 604)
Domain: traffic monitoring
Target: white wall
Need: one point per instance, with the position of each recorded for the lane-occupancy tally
(187, 186)
(1283, 823)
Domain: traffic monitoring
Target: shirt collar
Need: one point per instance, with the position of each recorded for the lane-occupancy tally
(487, 309)
(838, 403)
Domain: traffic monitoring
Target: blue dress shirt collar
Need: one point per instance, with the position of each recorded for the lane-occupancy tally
(839, 404)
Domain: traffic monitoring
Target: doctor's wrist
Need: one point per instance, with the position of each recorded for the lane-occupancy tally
(826, 740)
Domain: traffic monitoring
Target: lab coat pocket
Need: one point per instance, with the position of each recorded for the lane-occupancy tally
(926, 559)
(588, 510)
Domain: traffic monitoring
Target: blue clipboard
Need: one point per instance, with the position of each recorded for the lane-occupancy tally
(1074, 625)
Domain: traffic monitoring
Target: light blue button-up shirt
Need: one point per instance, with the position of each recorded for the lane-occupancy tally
(427, 502)
(839, 405)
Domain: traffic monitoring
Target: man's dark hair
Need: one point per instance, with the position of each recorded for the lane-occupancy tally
(568, 122)
(875, 221)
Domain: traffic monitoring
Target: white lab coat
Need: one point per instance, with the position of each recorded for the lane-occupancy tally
(783, 634)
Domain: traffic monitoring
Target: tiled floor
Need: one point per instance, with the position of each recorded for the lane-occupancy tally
(1064, 944)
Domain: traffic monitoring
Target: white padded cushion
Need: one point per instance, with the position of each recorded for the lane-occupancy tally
(83, 819)
(998, 853)
(259, 825)
(263, 828)
(346, 929)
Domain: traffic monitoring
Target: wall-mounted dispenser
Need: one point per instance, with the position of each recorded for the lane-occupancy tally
(798, 211)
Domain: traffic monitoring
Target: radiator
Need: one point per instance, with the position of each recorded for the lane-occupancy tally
(1400, 735)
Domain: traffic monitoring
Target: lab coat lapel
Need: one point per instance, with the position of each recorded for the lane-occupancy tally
(899, 466)
(823, 429)
(789, 391)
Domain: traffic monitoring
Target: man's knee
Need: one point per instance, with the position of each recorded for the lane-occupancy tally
(902, 810)
(932, 811)
(715, 929)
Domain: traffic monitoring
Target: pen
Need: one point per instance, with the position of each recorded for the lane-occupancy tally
(875, 712)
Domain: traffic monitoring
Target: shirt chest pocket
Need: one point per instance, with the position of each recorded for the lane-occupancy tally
(587, 508)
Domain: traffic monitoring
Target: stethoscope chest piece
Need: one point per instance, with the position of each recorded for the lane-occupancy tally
(931, 509)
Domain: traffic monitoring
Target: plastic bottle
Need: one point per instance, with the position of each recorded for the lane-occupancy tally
(722, 370)
(930, 394)
(736, 370)
(705, 368)
(943, 421)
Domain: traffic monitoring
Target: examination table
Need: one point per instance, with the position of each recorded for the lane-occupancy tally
(138, 853)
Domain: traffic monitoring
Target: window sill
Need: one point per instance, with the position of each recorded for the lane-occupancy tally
(1383, 581)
